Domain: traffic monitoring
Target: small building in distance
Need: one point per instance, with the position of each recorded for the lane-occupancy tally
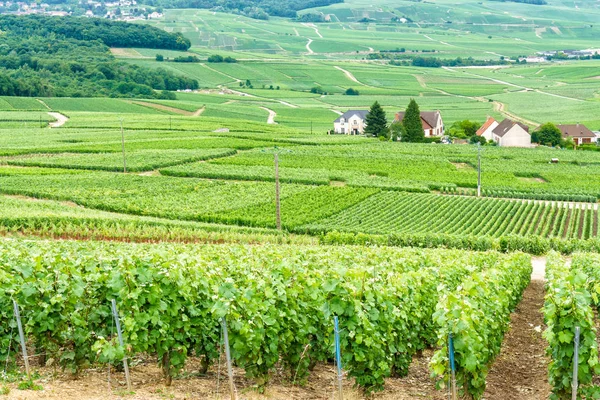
(487, 128)
(351, 122)
(579, 133)
(431, 120)
(509, 133)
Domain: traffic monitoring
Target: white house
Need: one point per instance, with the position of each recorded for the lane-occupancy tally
(351, 122)
(431, 121)
(511, 134)
(487, 129)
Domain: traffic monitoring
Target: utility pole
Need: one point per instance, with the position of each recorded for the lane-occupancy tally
(311, 131)
(170, 124)
(479, 169)
(277, 202)
(123, 147)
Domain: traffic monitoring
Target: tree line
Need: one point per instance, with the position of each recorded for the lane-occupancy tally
(410, 129)
(111, 33)
(259, 9)
(55, 65)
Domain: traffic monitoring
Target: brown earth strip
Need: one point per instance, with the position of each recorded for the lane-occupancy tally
(520, 371)
(581, 224)
(567, 222)
(173, 110)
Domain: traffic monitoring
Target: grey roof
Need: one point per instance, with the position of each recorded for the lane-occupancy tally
(349, 114)
(506, 126)
(431, 117)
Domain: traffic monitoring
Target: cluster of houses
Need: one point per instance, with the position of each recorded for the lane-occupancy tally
(507, 133)
(120, 10)
(353, 122)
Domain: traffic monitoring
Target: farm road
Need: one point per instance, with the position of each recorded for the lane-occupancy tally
(520, 371)
(272, 115)
(308, 47)
(60, 120)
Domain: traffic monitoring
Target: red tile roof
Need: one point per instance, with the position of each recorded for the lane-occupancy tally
(485, 126)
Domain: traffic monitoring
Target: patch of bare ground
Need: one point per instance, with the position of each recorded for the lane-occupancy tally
(462, 165)
(567, 222)
(532, 179)
(149, 173)
(521, 369)
(126, 53)
(174, 110)
(148, 384)
(337, 183)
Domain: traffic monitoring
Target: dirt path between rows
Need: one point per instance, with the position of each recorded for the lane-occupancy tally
(521, 370)
(60, 120)
(348, 74)
(272, 115)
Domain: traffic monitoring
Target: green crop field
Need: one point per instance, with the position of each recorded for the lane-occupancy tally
(296, 57)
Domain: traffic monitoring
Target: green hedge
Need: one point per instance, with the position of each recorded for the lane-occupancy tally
(528, 244)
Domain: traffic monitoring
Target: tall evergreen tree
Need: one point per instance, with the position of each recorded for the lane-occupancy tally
(412, 123)
(376, 121)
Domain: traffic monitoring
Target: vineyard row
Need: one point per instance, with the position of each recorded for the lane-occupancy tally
(279, 302)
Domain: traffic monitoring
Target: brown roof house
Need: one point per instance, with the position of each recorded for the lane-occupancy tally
(579, 133)
(431, 120)
(509, 133)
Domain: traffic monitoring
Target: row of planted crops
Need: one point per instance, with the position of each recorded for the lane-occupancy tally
(572, 300)
(278, 302)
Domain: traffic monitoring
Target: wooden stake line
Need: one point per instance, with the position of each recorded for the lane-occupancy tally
(22, 338)
(120, 335)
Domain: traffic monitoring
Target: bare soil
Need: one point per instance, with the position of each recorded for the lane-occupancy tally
(174, 110)
(126, 53)
(520, 371)
(460, 165)
(148, 383)
(533, 180)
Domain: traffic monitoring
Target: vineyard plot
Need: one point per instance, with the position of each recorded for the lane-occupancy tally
(279, 302)
(397, 212)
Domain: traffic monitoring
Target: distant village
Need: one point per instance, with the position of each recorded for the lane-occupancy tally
(124, 10)
(505, 133)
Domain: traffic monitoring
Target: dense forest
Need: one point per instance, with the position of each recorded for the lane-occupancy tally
(39, 59)
(111, 33)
